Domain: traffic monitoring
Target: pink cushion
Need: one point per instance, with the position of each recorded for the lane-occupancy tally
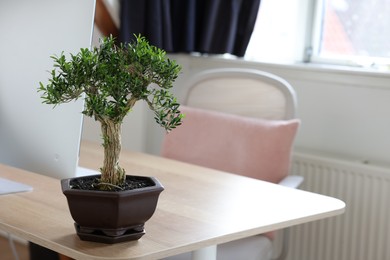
(246, 146)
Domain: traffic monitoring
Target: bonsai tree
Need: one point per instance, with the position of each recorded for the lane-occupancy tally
(112, 78)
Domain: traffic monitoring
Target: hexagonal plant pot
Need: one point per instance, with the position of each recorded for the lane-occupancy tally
(112, 216)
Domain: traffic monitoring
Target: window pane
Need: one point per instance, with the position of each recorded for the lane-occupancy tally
(356, 28)
(276, 32)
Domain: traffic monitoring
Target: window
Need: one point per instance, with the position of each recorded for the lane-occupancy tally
(352, 32)
(346, 32)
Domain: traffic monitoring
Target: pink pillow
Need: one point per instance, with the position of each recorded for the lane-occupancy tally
(246, 146)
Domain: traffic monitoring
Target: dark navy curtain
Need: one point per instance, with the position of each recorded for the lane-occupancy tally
(205, 26)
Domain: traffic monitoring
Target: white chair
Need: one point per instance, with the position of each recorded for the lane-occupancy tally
(251, 104)
(245, 92)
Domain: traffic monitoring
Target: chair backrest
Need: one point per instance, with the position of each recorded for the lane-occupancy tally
(245, 92)
(227, 126)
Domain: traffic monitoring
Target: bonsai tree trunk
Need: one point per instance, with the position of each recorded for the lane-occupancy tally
(111, 172)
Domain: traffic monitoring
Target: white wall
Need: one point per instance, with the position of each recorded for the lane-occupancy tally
(344, 113)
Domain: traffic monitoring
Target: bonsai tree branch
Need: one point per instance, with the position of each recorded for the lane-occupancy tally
(113, 78)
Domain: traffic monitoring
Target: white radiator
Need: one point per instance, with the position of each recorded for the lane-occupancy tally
(363, 231)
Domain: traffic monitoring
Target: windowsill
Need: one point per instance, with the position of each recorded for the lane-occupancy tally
(343, 68)
(314, 67)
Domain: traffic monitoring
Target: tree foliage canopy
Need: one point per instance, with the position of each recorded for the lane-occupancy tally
(112, 78)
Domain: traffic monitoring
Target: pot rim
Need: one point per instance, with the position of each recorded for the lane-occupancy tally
(66, 189)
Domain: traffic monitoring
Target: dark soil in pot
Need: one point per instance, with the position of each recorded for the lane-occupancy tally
(92, 183)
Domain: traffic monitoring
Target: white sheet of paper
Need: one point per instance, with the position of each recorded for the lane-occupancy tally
(8, 186)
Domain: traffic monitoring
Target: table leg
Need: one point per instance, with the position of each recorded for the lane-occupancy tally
(64, 257)
(206, 253)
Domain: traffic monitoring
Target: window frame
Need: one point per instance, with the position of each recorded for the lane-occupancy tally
(312, 52)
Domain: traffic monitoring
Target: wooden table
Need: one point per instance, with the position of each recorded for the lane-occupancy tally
(199, 208)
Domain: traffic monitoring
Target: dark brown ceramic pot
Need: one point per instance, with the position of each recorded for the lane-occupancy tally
(109, 216)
